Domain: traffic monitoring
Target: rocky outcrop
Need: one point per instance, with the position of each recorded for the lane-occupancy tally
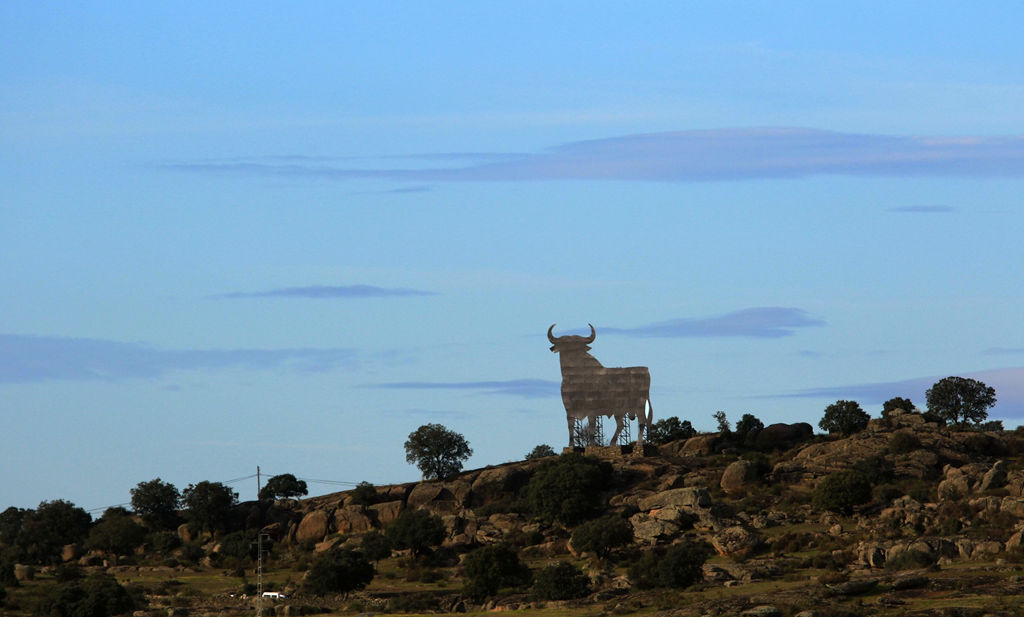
(688, 497)
(352, 519)
(736, 541)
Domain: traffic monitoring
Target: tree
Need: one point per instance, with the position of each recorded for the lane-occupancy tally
(897, 402)
(209, 505)
(436, 451)
(601, 535)
(960, 400)
(562, 581)
(678, 566)
(541, 451)
(157, 503)
(723, 422)
(338, 571)
(375, 546)
(284, 486)
(417, 530)
(844, 417)
(116, 532)
(747, 424)
(670, 429)
(567, 488)
(45, 530)
(491, 568)
(840, 491)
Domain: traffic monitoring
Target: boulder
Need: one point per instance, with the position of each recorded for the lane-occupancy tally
(314, 527)
(955, 485)
(185, 533)
(70, 552)
(440, 497)
(782, 436)
(24, 572)
(351, 519)
(736, 541)
(689, 497)
(385, 512)
(652, 530)
(498, 482)
(738, 477)
(699, 445)
(994, 477)
(764, 610)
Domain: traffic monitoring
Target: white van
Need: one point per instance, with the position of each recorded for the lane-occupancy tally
(274, 595)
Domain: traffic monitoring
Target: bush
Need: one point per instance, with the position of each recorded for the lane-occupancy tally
(99, 595)
(116, 532)
(875, 469)
(748, 424)
(902, 442)
(601, 535)
(375, 546)
(845, 417)
(417, 530)
(562, 581)
(568, 489)
(364, 494)
(541, 451)
(670, 429)
(338, 571)
(490, 569)
(895, 403)
(840, 491)
(678, 566)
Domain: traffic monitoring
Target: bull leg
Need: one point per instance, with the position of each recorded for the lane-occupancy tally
(591, 428)
(571, 421)
(618, 429)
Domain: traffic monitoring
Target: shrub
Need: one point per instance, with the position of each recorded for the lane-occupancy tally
(895, 403)
(541, 451)
(670, 429)
(678, 566)
(417, 530)
(902, 442)
(844, 417)
(99, 595)
(568, 488)
(562, 581)
(364, 494)
(875, 469)
(840, 491)
(375, 546)
(601, 535)
(338, 571)
(490, 569)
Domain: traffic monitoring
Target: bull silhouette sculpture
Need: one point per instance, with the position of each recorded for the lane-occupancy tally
(591, 391)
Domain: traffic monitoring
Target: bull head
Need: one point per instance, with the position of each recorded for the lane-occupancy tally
(572, 341)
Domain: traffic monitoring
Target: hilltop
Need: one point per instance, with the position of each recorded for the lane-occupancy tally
(906, 517)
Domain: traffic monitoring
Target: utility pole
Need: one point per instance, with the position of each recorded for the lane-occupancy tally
(259, 557)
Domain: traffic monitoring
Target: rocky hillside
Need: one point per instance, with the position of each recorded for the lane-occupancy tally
(940, 531)
(904, 518)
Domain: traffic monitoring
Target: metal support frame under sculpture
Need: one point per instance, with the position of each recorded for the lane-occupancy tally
(591, 391)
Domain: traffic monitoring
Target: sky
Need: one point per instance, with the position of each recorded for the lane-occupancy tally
(285, 235)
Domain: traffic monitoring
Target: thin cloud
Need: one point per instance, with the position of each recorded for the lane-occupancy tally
(27, 358)
(924, 209)
(1003, 351)
(524, 388)
(757, 322)
(687, 156)
(327, 292)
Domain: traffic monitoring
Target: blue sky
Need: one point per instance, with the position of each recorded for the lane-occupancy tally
(287, 235)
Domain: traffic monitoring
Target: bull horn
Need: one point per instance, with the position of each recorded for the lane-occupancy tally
(551, 337)
(593, 334)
